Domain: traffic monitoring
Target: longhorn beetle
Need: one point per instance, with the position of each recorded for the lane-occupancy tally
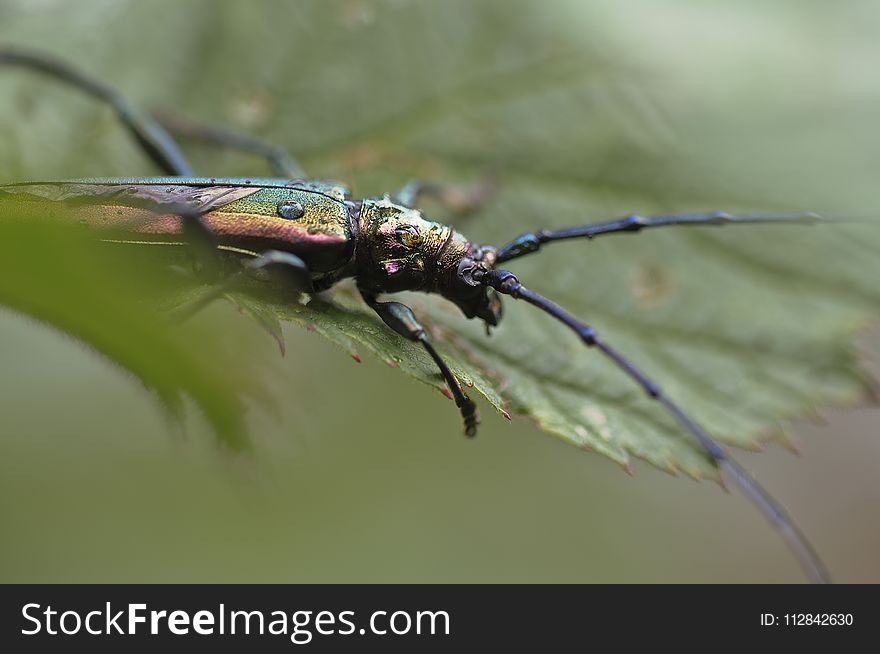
(319, 235)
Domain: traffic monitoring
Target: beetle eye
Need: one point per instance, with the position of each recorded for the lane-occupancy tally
(409, 236)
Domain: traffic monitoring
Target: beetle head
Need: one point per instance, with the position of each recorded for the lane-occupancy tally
(402, 251)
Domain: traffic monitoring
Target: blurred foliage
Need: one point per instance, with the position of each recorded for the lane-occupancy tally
(59, 274)
(744, 326)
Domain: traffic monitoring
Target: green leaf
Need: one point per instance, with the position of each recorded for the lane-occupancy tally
(582, 115)
(58, 274)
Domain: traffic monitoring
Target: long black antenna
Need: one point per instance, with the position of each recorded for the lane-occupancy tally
(532, 241)
(505, 282)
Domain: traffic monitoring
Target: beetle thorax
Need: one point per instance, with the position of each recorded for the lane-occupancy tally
(402, 251)
(399, 250)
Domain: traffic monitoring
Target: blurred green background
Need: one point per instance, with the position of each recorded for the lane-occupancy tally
(97, 485)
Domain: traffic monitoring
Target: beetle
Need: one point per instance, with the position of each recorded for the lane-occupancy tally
(318, 234)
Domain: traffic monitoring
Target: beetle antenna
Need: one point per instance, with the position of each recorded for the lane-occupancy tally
(505, 282)
(532, 241)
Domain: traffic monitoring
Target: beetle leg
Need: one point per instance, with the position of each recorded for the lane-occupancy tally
(201, 241)
(401, 319)
(281, 162)
(460, 200)
(204, 246)
(150, 135)
(289, 265)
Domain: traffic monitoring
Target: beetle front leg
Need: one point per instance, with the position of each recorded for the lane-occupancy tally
(401, 319)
